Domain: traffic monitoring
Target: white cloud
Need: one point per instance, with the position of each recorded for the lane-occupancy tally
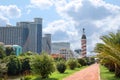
(111, 24)
(42, 4)
(8, 12)
(11, 11)
(86, 11)
(96, 16)
(61, 25)
(3, 21)
(63, 30)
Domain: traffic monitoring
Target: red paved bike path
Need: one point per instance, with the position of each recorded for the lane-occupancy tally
(89, 73)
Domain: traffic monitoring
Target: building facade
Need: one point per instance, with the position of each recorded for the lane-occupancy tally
(26, 34)
(67, 54)
(57, 46)
(46, 43)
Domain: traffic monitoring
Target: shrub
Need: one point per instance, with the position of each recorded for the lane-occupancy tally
(43, 65)
(9, 51)
(26, 65)
(92, 60)
(14, 65)
(61, 67)
(78, 65)
(82, 61)
(2, 52)
(27, 78)
(72, 63)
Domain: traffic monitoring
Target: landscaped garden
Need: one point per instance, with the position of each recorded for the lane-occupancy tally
(56, 75)
(32, 66)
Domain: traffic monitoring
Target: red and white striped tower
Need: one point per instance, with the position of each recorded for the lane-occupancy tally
(83, 44)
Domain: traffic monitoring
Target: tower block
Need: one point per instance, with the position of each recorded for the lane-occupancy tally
(83, 44)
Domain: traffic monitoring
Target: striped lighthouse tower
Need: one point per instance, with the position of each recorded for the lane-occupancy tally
(83, 44)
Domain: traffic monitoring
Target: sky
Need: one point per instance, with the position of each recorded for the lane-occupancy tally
(65, 19)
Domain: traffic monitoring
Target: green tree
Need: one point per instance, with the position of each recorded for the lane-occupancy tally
(61, 66)
(3, 69)
(26, 65)
(43, 65)
(82, 61)
(72, 63)
(2, 52)
(14, 65)
(110, 48)
(9, 50)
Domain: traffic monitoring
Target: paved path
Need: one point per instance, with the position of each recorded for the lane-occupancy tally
(89, 73)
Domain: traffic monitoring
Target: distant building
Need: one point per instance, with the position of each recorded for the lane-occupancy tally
(26, 34)
(67, 53)
(83, 44)
(57, 56)
(46, 43)
(78, 51)
(57, 46)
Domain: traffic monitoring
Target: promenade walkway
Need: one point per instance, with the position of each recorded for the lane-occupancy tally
(89, 73)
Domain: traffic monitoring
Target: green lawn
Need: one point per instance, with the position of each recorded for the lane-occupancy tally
(68, 72)
(54, 76)
(106, 75)
(59, 76)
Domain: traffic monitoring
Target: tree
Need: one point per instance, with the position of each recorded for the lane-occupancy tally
(9, 50)
(43, 65)
(3, 69)
(2, 52)
(111, 49)
(61, 66)
(14, 65)
(82, 61)
(72, 63)
(26, 66)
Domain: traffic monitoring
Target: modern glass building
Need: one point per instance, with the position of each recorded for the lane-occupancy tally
(26, 34)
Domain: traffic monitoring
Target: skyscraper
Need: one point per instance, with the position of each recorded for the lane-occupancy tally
(46, 43)
(26, 34)
(83, 44)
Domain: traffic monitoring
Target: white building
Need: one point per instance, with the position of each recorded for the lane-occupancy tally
(57, 46)
(67, 53)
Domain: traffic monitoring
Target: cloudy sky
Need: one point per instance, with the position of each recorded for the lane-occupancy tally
(64, 19)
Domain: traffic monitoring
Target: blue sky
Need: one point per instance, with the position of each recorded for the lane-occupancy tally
(64, 19)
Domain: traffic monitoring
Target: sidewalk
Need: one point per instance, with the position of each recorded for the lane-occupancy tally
(89, 73)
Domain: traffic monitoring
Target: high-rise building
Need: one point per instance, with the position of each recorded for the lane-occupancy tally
(26, 34)
(46, 43)
(83, 44)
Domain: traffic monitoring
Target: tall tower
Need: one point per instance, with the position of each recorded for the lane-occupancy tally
(46, 43)
(83, 44)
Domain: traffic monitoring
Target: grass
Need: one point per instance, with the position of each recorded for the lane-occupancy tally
(54, 76)
(59, 76)
(106, 75)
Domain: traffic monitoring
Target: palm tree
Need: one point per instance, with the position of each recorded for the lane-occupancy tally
(110, 48)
